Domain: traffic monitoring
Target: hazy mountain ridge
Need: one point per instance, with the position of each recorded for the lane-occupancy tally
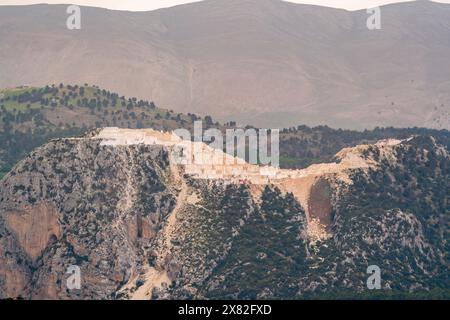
(282, 63)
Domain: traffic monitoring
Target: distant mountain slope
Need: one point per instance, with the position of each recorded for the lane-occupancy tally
(263, 62)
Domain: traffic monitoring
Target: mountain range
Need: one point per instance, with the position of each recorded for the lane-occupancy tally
(92, 186)
(267, 63)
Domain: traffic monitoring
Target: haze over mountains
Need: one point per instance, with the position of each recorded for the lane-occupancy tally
(263, 62)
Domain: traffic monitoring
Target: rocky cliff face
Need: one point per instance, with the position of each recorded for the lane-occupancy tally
(74, 202)
(140, 227)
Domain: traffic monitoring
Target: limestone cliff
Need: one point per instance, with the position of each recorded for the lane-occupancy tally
(139, 225)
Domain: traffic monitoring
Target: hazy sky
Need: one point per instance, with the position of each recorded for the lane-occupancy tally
(154, 4)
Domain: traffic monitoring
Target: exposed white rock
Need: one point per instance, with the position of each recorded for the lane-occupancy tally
(204, 162)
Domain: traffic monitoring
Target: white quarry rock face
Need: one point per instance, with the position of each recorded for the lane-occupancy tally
(204, 162)
(128, 137)
(200, 161)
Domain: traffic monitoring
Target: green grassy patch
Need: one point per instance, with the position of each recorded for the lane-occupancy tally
(288, 162)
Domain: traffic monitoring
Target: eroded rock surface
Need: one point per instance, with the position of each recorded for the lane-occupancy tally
(141, 226)
(35, 227)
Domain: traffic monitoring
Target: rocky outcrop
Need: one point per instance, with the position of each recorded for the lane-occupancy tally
(35, 227)
(138, 225)
(74, 202)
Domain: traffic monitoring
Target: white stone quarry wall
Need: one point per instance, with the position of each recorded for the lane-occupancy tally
(203, 162)
(200, 161)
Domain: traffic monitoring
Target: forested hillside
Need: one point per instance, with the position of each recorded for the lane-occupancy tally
(30, 117)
